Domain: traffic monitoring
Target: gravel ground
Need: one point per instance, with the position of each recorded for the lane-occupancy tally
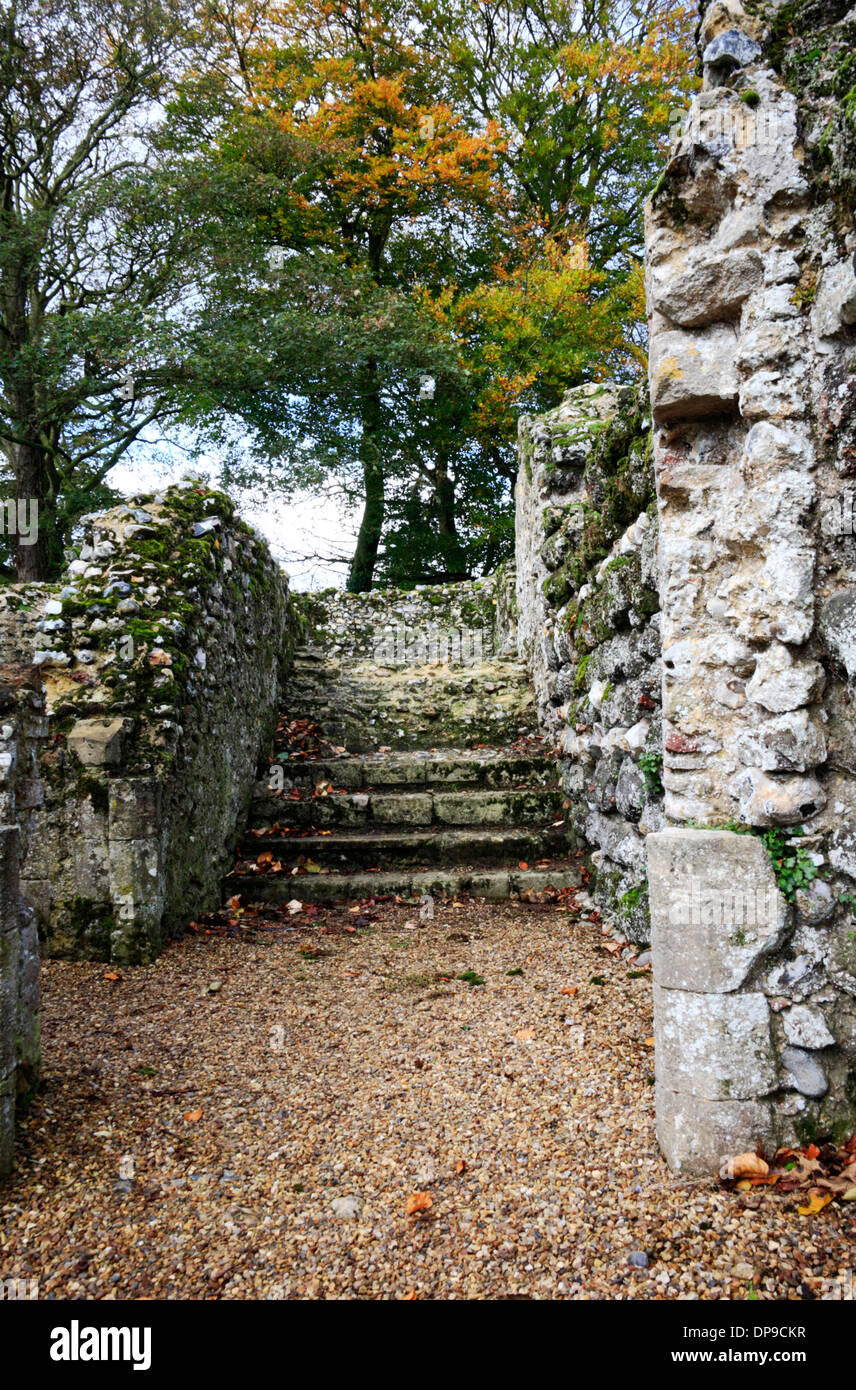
(248, 1117)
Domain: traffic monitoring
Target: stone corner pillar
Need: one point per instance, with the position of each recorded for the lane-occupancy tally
(716, 913)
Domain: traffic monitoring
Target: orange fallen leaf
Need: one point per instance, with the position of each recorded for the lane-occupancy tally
(418, 1202)
(524, 1034)
(649, 1042)
(570, 989)
(461, 1166)
(410, 1297)
(812, 1151)
(192, 1116)
(113, 975)
(746, 1165)
(234, 902)
(523, 864)
(816, 1202)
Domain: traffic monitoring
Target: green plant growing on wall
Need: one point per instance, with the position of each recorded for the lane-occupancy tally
(651, 766)
(793, 866)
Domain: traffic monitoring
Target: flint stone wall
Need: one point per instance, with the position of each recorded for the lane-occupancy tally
(22, 727)
(588, 625)
(162, 653)
(752, 302)
(427, 667)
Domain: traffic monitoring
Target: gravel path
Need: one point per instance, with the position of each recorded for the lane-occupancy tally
(248, 1117)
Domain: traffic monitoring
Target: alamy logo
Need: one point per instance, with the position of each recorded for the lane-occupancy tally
(700, 906)
(18, 1290)
(20, 519)
(76, 1343)
(399, 646)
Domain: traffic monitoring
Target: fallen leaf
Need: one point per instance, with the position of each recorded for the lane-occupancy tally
(461, 1166)
(523, 864)
(746, 1165)
(418, 1202)
(294, 907)
(524, 1034)
(816, 1202)
(649, 1042)
(570, 989)
(113, 975)
(193, 1116)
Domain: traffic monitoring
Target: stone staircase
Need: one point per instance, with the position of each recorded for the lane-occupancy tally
(409, 780)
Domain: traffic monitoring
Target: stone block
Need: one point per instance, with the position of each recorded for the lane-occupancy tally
(695, 1134)
(135, 808)
(763, 800)
(97, 742)
(693, 374)
(835, 304)
(715, 908)
(838, 628)
(715, 1046)
(789, 742)
(709, 290)
(136, 874)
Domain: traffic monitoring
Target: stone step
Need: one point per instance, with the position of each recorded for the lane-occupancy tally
(387, 850)
(483, 807)
(431, 768)
(480, 882)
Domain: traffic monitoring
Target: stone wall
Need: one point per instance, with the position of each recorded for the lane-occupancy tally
(22, 727)
(588, 625)
(752, 301)
(162, 653)
(430, 666)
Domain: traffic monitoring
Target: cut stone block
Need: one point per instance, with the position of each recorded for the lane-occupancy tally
(693, 374)
(695, 1134)
(715, 908)
(97, 742)
(135, 807)
(716, 1046)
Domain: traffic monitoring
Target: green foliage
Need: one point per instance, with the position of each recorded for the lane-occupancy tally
(792, 864)
(651, 767)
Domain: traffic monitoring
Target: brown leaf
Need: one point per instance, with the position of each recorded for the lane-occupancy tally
(816, 1202)
(418, 1202)
(523, 864)
(113, 975)
(570, 989)
(746, 1165)
(193, 1116)
(461, 1166)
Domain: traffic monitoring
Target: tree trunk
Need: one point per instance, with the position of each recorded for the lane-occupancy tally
(368, 540)
(31, 518)
(452, 549)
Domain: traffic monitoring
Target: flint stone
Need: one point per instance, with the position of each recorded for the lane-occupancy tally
(789, 743)
(805, 1027)
(715, 1046)
(694, 1133)
(805, 1072)
(815, 904)
(693, 374)
(732, 49)
(781, 684)
(715, 908)
(764, 801)
(838, 628)
(835, 305)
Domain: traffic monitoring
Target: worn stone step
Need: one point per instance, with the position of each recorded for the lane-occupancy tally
(424, 768)
(511, 806)
(480, 882)
(392, 849)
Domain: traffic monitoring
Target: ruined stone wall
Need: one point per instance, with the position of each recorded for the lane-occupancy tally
(162, 653)
(431, 666)
(588, 625)
(752, 302)
(22, 727)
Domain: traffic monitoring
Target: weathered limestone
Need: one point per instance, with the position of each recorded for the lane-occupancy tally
(751, 303)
